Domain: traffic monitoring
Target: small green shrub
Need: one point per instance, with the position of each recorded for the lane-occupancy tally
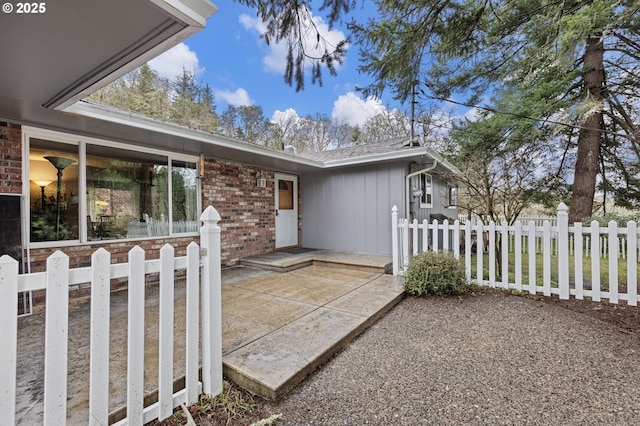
(436, 273)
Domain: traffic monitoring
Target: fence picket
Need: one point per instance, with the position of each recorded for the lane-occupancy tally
(518, 251)
(531, 241)
(456, 239)
(492, 254)
(595, 261)
(613, 261)
(563, 251)
(504, 241)
(135, 339)
(445, 236)
(99, 343)
(193, 322)
(632, 264)
(405, 243)
(394, 240)
(165, 333)
(56, 339)
(479, 253)
(414, 236)
(434, 233)
(577, 258)
(8, 337)
(467, 250)
(425, 235)
(546, 258)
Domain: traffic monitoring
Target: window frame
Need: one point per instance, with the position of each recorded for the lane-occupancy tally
(452, 195)
(426, 199)
(81, 143)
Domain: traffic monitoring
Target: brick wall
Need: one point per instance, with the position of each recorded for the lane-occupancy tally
(80, 256)
(247, 212)
(10, 158)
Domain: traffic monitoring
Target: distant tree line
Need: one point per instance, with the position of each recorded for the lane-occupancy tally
(188, 102)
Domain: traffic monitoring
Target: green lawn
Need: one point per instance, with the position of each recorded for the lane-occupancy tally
(586, 267)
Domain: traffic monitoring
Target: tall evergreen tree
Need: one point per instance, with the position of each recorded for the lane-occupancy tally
(557, 54)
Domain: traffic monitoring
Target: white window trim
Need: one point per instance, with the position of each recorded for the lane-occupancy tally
(450, 188)
(424, 205)
(81, 142)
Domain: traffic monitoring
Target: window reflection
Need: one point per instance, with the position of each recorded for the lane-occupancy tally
(53, 190)
(127, 194)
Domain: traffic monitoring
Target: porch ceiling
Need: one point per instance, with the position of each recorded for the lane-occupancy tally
(53, 58)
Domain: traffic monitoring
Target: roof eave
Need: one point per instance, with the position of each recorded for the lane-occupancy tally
(193, 13)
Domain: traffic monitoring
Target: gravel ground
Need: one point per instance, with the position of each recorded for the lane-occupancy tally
(485, 359)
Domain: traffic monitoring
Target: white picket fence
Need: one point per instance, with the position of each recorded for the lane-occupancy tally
(560, 240)
(605, 248)
(203, 290)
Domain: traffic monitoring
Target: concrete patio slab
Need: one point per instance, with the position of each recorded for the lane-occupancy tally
(277, 328)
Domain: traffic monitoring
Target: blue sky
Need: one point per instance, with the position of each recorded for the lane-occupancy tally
(230, 55)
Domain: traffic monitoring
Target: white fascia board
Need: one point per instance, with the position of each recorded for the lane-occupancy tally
(374, 158)
(194, 15)
(88, 110)
(192, 12)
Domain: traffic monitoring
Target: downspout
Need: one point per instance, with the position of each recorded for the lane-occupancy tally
(407, 186)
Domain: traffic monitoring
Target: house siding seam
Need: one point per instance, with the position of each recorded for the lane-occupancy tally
(10, 158)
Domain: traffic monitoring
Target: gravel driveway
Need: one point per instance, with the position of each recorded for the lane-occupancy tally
(485, 359)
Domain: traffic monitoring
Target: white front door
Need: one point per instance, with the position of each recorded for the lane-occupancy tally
(286, 193)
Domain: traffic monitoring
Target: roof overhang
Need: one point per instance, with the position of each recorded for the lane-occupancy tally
(72, 48)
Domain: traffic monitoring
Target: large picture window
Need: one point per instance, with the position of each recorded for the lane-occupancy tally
(124, 193)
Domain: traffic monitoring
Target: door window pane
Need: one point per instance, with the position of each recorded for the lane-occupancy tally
(285, 195)
(53, 191)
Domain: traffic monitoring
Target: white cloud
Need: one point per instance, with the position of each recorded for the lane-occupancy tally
(287, 116)
(171, 63)
(353, 110)
(276, 58)
(239, 97)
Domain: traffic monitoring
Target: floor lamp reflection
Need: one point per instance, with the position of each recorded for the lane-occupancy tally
(59, 163)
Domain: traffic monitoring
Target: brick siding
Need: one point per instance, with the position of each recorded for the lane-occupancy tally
(10, 158)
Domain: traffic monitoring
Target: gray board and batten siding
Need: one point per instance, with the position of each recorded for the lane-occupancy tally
(349, 209)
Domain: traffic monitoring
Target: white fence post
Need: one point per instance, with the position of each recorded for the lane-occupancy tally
(394, 239)
(56, 339)
(8, 337)
(563, 251)
(211, 303)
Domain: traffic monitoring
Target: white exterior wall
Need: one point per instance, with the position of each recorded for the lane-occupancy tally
(350, 209)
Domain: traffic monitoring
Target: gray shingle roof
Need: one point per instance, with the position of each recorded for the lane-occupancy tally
(391, 145)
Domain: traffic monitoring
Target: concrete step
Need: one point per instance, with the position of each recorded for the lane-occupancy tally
(316, 311)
